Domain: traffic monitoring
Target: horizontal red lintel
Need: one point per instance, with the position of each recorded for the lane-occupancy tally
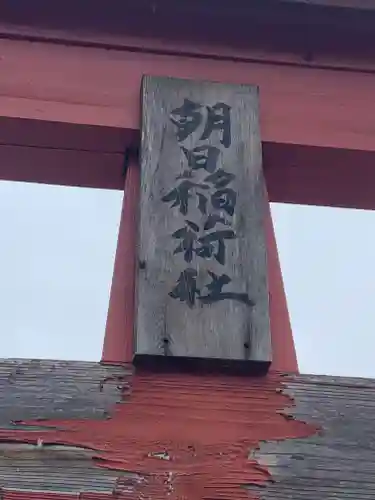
(70, 112)
(91, 86)
(94, 157)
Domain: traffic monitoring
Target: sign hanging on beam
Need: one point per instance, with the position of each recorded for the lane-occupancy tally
(202, 290)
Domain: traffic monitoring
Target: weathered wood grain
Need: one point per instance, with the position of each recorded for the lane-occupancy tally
(179, 314)
(34, 389)
(338, 462)
(63, 469)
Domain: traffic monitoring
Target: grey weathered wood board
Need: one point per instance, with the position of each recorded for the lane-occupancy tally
(338, 462)
(48, 389)
(202, 289)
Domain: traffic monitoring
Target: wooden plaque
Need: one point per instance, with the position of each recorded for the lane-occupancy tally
(202, 290)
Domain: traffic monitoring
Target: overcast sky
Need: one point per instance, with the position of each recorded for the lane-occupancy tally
(56, 261)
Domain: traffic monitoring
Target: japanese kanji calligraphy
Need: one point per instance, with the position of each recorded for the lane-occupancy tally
(195, 242)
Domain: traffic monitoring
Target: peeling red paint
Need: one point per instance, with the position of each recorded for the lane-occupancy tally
(202, 429)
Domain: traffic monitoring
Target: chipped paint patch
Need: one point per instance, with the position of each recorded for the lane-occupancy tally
(162, 456)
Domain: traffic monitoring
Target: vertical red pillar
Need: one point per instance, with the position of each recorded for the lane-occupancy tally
(283, 348)
(118, 341)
